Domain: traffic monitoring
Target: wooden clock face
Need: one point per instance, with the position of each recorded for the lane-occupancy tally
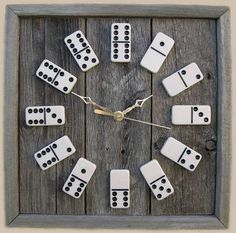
(107, 143)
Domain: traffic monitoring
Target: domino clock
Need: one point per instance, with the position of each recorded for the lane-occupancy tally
(118, 121)
(174, 84)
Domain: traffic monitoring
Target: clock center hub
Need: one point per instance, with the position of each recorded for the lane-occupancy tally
(118, 116)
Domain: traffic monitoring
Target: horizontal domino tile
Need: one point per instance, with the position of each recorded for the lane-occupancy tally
(56, 76)
(120, 42)
(81, 50)
(44, 115)
(191, 114)
(55, 152)
(79, 178)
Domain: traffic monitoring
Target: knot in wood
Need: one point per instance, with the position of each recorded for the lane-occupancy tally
(210, 145)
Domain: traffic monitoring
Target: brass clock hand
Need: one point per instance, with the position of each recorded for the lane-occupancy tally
(138, 104)
(88, 100)
(104, 113)
(119, 116)
(147, 123)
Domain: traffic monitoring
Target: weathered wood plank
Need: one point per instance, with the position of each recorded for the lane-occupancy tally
(134, 10)
(37, 188)
(111, 222)
(117, 145)
(195, 41)
(56, 30)
(11, 116)
(224, 119)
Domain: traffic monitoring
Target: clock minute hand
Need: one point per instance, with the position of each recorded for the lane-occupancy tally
(138, 104)
(119, 116)
(146, 123)
(88, 100)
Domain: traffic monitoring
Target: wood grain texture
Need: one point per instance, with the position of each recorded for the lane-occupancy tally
(111, 222)
(134, 10)
(35, 185)
(56, 29)
(224, 119)
(125, 144)
(41, 191)
(195, 41)
(110, 144)
(11, 116)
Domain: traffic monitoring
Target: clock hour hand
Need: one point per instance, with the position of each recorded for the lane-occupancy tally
(88, 100)
(119, 116)
(138, 104)
(104, 113)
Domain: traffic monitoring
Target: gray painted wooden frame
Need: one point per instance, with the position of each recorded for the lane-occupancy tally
(218, 221)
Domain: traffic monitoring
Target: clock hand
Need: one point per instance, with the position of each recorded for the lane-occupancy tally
(88, 100)
(119, 116)
(104, 113)
(138, 104)
(147, 123)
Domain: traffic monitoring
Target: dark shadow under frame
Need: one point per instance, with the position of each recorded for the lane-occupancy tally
(218, 221)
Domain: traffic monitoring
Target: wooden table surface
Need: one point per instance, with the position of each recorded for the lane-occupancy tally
(100, 139)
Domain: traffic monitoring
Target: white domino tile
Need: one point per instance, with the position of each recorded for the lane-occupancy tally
(191, 115)
(56, 76)
(79, 178)
(157, 52)
(182, 79)
(181, 154)
(119, 188)
(81, 50)
(157, 179)
(44, 115)
(55, 152)
(120, 42)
